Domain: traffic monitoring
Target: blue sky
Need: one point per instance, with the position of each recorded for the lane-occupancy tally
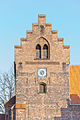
(17, 16)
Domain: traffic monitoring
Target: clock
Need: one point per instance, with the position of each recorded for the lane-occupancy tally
(42, 72)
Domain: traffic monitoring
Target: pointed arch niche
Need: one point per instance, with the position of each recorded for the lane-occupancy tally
(42, 48)
(45, 51)
(38, 51)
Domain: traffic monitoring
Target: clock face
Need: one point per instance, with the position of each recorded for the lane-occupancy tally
(42, 72)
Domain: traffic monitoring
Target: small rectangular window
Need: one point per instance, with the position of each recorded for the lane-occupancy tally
(42, 88)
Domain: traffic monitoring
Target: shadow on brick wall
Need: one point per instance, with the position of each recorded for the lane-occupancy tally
(72, 112)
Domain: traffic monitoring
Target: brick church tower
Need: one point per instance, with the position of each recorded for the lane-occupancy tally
(42, 73)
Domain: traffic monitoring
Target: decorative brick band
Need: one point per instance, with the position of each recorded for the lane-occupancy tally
(29, 32)
(66, 47)
(20, 106)
(23, 39)
(60, 39)
(48, 24)
(41, 63)
(17, 46)
(35, 24)
(42, 16)
(54, 32)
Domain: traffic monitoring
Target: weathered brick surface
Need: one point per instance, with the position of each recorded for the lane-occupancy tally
(70, 113)
(41, 106)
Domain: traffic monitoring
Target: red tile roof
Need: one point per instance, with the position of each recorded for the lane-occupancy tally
(75, 84)
(75, 99)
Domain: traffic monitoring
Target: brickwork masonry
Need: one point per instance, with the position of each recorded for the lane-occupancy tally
(41, 106)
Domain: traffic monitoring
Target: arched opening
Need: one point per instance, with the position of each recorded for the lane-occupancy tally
(38, 51)
(42, 88)
(45, 51)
